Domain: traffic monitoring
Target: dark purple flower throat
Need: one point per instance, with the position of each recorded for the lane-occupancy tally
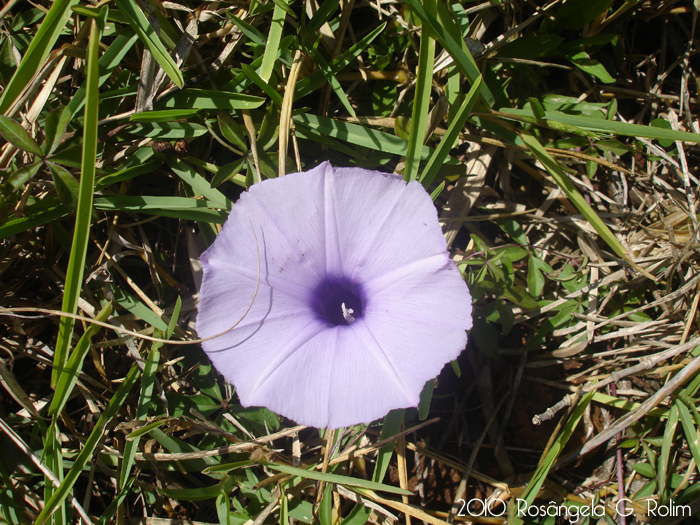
(338, 300)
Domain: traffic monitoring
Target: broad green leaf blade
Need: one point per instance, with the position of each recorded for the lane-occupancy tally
(210, 99)
(692, 435)
(37, 218)
(421, 101)
(142, 27)
(564, 182)
(41, 45)
(335, 478)
(176, 207)
(76, 263)
(359, 135)
(67, 187)
(273, 41)
(55, 127)
(16, 135)
(198, 183)
(438, 157)
(164, 115)
(24, 174)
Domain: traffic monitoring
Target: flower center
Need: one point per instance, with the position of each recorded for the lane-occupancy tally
(337, 301)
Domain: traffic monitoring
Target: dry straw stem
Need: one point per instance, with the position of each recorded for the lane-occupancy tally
(621, 424)
(220, 451)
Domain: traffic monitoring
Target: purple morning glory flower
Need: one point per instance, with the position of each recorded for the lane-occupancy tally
(359, 303)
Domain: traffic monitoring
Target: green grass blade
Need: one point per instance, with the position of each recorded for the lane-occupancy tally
(53, 457)
(602, 125)
(448, 140)
(69, 375)
(76, 263)
(273, 42)
(421, 101)
(198, 183)
(38, 218)
(391, 427)
(692, 435)
(360, 135)
(88, 449)
(456, 48)
(147, 381)
(317, 79)
(664, 473)
(262, 84)
(111, 58)
(39, 48)
(333, 81)
(176, 207)
(335, 478)
(564, 182)
(538, 478)
(150, 39)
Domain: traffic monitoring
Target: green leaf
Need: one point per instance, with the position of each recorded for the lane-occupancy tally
(438, 157)
(199, 184)
(16, 135)
(573, 194)
(67, 187)
(591, 66)
(24, 174)
(164, 115)
(169, 130)
(426, 397)
(535, 280)
(421, 100)
(69, 375)
(76, 263)
(210, 99)
(198, 494)
(142, 27)
(602, 125)
(457, 48)
(258, 81)
(538, 478)
(177, 207)
(486, 338)
(273, 40)
(335, 478)
(34, 219)
(55, 127)
(232, 131)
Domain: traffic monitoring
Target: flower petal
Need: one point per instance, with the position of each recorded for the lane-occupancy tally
(383, 223)
(418, 315)
(334, 379)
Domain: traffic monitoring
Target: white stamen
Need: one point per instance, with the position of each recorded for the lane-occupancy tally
(347, 313)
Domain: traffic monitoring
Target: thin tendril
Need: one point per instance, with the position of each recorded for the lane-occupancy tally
(10, 312)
